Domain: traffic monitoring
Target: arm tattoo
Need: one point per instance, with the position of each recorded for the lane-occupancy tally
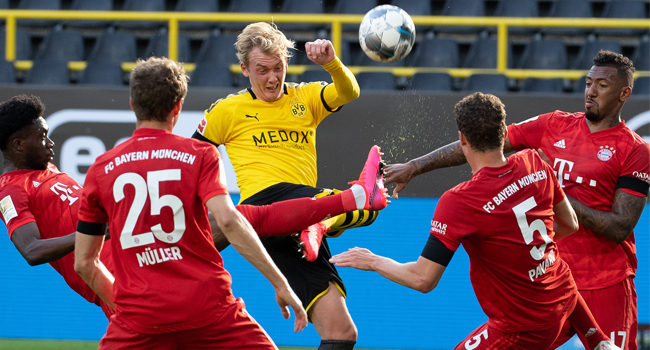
(446, 156)
(616, 225)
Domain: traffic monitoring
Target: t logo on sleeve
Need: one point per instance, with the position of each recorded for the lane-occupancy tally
(7, 208)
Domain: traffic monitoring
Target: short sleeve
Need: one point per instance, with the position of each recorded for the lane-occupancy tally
(215, 123)
(636, 167)
(14, 207)
(212, 178)
(528, 134)
(91, 209)
(314, 93)
(446, 225)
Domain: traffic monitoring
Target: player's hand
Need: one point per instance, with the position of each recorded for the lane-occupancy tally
(400, 174)
(543, 156)
(359, 258)
(320, 51)
(286, 297)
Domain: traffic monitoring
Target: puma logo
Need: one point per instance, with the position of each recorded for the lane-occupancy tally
(252, 116)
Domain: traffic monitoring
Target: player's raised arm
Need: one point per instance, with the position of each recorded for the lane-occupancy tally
(242, 237)
(344, 87)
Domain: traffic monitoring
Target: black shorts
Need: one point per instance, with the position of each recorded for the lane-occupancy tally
(307, 279)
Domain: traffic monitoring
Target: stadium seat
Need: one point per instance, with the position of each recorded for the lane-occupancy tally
(363, 60)
(7, 72)
(38, 5)
(302, 6)
(466, 8)
(544, 54)
(543, 85)
(159, 46)
(430, 81)
(483, 54)
(114, 46)
(252, 6)
(90, 5)
(49, 72)
(211, 74)
(434, 52)
(4, 4)
(518, 8)
(580, 85)
(376, 81)
(590, 49)
(102, 73)
(142, 6)
(218, 49)
(415, 8)
(490, 83)
(23, 44)
(641, 87)
(61, 45)
(300, 56)
(623, 9)
(315, 75)
(641, 57)
(203, 6)
(572, 9)
(356, 7)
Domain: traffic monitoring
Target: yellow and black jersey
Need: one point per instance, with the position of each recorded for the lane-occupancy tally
(269, 142)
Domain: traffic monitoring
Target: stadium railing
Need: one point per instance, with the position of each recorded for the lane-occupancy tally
(335, 20)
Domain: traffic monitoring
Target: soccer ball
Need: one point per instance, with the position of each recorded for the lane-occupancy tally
(386, 33)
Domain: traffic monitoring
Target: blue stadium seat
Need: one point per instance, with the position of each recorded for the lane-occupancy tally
(7, 72)
(102, 73)
(544, 54)
(430, 81)
(623, 9)
(219, 49)
(415, 8)
(4, 4)
(48, 72)
(114, 46)
(641, 57)
(211, 74)
(315, 75)
(573, 9)
(254, 6)
(142, 6)
(356, 7)
(518, 8)
(61, 45)
(159, 46)
(543, 85)
(38, 5)
(90, 5)
(590, 49)
(363, 60)
(376, 81)
(483, 54)
(489, 83)
(641, 87)
(23, 44)
(580, 85)
(467, 8)
(302, 6)
(203, 6)
(434, 52)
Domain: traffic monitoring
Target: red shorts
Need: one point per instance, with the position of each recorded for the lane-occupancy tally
(614, 308)
(235, 329)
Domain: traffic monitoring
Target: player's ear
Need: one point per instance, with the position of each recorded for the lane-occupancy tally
(461, 137)
(244, 70)
(625, 93)
(131, 103)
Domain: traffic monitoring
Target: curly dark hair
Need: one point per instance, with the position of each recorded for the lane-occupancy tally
(623, 65)
(157, 84)
(482, 119)
(16, 114)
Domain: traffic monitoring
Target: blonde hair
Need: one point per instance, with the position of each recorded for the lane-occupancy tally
(157, 84)
(267, 37)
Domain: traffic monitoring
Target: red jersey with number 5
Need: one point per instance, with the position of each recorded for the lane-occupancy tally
(589, 167)
(152, 189)
(50, 199)
(503, 217)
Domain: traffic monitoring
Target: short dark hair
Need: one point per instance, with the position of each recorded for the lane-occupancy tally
(482, 119)
(17, 113)
(157, 84)
(623, 65)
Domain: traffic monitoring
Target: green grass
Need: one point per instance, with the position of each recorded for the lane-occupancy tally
(15, 344)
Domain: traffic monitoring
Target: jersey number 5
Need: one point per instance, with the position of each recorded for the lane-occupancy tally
(150, 186)
(528, 230)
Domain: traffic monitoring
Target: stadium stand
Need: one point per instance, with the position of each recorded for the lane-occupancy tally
(159, 46)
(518, 8)
(641, 57)
(465, 8)
(362, 59)
(7, 72)
(543, 85)
(38, 5)
(376, 81)
(415, 8)
(430, 81)
(251, 6)
(316, 75)
(218, 48)
(590, 49)
(356, 7)
(211, 74)
(491, 83)
(580, 85)
(89, 5)
(203, 6)
(483, 54)
(641, 87)
(570, 9)
(23, 44)
(544, 54)
(4, 4)
(48, 72)
(434, 52)
(102, 73)
(114, 47)
(623, 9)
(142, 6)
(302, 6)
(61, 46)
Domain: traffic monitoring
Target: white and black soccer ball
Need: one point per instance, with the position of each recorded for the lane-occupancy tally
(387, 33)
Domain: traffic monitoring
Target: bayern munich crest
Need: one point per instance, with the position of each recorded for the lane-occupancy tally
(605, 153)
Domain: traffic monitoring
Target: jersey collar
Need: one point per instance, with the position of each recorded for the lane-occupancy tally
(250, 90)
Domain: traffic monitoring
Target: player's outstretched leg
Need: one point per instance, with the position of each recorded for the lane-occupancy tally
(372, 180)
(310, 239)
(606, 345)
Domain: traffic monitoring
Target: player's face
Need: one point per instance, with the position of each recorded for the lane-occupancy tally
(266, 74)
(603, 93)
(38, 146)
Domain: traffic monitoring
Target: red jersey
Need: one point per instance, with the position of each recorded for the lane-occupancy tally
(50, 199)
(503, 217)
(589, 166)
(152, 190)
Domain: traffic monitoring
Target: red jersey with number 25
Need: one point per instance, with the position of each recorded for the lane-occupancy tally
(503, 217)
(152, 188)
(589, 166)
(50, 199)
